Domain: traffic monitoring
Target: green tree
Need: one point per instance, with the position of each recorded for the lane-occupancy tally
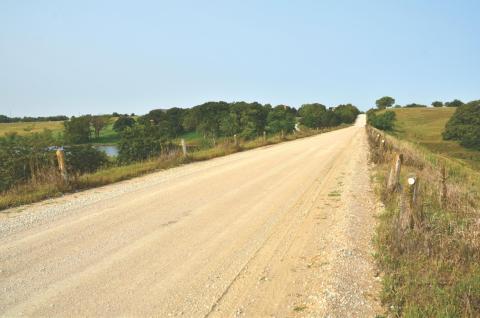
(77, 130)
(98, 123)
(464, 125)
(230, 124)
(346, 113)
(84, 158)
(140, 142)
(384, 102)
(122, 123)
(175, 120)
(437, 104)
(383, 121)
(454, 103)
(311, 114)
(279, 119)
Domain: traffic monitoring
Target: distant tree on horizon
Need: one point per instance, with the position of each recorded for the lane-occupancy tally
(384, 102)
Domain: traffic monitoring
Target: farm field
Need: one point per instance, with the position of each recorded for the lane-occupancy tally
(25, 128)
(107, 135)
(424, 126)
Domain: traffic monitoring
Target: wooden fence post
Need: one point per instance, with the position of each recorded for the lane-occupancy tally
(283, 134)
(61, 164)
(264, 136)
(235, 140)
(394, 177)
(184, 147)
(412, 208)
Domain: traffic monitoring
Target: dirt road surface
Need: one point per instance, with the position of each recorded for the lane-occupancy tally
(279, 231)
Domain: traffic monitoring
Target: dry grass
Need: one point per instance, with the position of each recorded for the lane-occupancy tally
(432, 269)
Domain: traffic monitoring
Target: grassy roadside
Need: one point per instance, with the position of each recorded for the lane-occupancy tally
(431, 269)
(34, 192)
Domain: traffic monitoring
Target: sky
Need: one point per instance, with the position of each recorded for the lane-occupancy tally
(97, 57)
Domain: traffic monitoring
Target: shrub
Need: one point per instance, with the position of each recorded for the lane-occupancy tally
(454, 103)
(384, 121)
(464, 125)
(24, 158)
(84, 158)
(413, 105)
(280, 119)
(77, 129)
(140, 142)
(123, 122)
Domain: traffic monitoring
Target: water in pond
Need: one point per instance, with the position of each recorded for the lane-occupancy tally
(110, 150)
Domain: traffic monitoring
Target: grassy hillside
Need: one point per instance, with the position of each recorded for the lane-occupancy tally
(427, 251)
(27, 128)
(107, 135)
(424, 126)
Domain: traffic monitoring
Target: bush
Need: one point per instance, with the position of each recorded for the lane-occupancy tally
(413, 105)
(123, 122)
(77, 130)
(464, 125)
(346, 113)
(384, 121)
(84, 158)
(280, 118)
(23, 158)
(140, 142)
(454, 103)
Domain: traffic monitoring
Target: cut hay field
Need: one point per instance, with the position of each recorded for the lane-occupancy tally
(424, 127)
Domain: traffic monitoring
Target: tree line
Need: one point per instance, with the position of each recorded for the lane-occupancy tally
(388, 102)
(31, 157)
(6, 119)
(148, 135)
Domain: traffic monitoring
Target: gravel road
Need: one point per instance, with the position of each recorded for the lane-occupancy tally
(280, 231)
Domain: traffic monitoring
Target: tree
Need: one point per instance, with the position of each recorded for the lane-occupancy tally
(464, 125)
(280, 119)
(384, 121)
(98, 123)
(175, 119)
(312, 114)
(122, 123)
(140, 142)
(84, 158)
(77, 129)
(346, 113)
(454, 103)
(384, 102)
(437, 104)
(230, 124)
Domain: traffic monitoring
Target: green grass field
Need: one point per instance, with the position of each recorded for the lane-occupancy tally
(28, 128)
(424, 126)
(107, 135)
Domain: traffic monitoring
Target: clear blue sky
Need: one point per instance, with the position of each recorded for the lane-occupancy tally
(78, 57)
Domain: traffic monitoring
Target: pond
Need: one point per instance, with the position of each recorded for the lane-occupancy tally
(110, 150)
